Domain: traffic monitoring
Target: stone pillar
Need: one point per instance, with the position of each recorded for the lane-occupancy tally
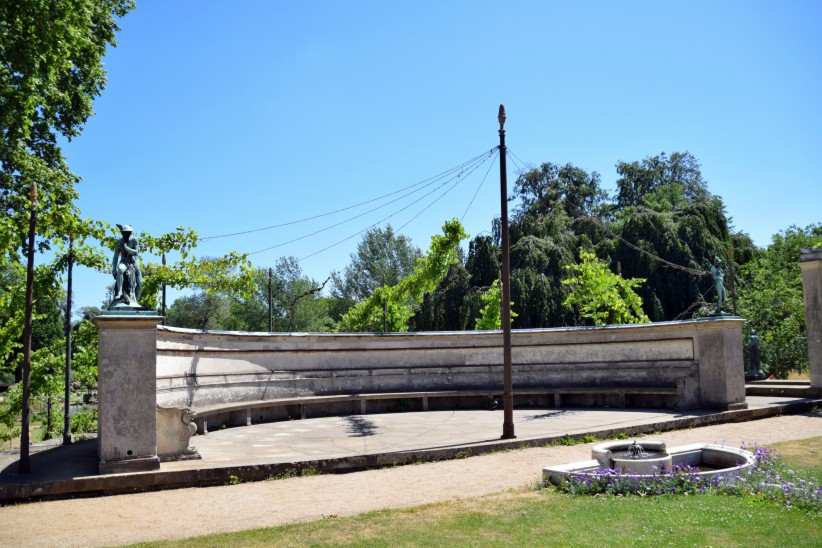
(810, 261)
(126, 391)
(718, 347)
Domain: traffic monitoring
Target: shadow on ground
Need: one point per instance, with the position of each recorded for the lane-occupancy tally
(359, 426)
(62, 462)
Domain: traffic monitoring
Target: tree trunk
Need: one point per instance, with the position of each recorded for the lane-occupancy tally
(25, 463)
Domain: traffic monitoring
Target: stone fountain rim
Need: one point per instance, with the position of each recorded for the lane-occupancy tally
(603, 452)
(590, 467)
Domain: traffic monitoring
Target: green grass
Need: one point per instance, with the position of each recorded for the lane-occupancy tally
(549, 518)
(804, 456)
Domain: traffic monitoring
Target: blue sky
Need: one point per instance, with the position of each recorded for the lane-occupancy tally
(226, 116)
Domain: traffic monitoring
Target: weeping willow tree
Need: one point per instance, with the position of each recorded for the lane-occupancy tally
(390, 307)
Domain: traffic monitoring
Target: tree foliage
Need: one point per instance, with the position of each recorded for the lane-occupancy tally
(601, 296)
(491, 312)
(51, 70)
(392, 306)
(383, 257)
(771, 299)
(297, 304)
(663, 225)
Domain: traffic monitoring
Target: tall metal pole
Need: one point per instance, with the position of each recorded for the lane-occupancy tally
(270, 316)
(164, 294)
(67, 379)
(25, 464)
(508, 392)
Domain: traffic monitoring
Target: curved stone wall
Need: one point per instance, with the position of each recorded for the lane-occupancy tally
(702, 359)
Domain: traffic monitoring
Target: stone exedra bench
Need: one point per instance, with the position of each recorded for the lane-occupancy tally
(234, 379)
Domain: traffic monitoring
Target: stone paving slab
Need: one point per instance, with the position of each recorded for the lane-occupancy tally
(181, 513)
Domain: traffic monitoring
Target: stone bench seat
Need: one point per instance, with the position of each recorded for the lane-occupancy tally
(246, 413)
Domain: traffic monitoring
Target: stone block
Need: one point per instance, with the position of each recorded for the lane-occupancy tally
(810, 262)
(174, 430)
(127, 392)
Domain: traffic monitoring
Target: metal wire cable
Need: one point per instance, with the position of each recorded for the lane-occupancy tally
(421, 184)
(517, 160)
(476, 164)
(479, 186)
(430, 204)
(389, 216)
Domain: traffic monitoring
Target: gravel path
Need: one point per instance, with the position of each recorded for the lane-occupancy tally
(190, 512)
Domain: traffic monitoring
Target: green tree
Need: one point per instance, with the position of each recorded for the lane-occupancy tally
(601, 296)
(393, 305)
(669, 227)
(639, 179)
(297, 302)
(50, 72)
(198, 311)
(229, 274)
(51, 69)
(770, 298)
(483, 261)
(491, 312)
(383, 257)
(550, 186)
(448, 307)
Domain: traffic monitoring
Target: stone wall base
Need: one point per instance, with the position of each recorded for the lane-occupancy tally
(144, 464)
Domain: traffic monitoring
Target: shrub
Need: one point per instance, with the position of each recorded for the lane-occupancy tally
(84, 421)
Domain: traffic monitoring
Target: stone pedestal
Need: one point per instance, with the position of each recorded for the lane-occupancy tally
(718, 343)
(811, 263)
(126, 391)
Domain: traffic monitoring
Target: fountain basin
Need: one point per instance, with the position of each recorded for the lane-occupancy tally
(708, 461)
(653, 457)
(643, 467)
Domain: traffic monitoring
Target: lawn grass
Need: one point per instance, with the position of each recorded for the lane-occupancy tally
(549, 518)
(804, 456)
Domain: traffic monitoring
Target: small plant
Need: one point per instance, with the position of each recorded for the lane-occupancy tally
(575, 440)
(234, 479)
(566, 440)
(285, 474)
(84, 422)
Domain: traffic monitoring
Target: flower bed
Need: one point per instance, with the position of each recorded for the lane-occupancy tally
(768, 479)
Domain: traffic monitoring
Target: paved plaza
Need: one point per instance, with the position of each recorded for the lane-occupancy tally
(337, 437)
(356, 435)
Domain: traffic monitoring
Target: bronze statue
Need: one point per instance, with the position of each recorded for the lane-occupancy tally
(754, 371)
(719, 284)
(128, 280)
